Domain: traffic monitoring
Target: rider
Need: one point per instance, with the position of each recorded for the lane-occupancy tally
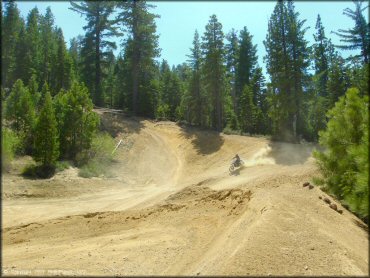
(237, 159)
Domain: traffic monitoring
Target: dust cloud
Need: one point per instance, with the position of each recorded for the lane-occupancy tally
(260, 158)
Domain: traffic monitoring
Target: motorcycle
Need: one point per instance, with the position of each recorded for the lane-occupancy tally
(235, 164)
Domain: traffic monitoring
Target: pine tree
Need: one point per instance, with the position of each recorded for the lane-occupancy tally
(359, 36)
(247, 60)
(140, 50)
(336, 86)
(119, 98)
(214, 70)
(232, 60)
(75, 54)
(32, 53)
(287, 63)
(77, 123)
(33, 88)
(21, 114)
(10, 32)
(345, 163)
(44, 91)
(87, 64)
(247, 110)
(321, 59)
(259, 101)
(99, 28)
(110, 79)
(48, 46)
(46, 136)
(195, 100)
(21, 60)
(164, 108)
(62, 71)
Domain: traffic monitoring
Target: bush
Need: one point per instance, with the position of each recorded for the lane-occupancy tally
(77, 122)
(62, 165)
(10, 143)
(345, 163)
(230, 131)
(163, 112)
(96, 161)
(91, 169)
(46, 140)
(39, 171)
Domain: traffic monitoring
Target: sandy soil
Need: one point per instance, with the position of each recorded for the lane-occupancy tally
(173, 208)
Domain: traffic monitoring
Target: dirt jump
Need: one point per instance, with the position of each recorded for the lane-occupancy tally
(172, 207)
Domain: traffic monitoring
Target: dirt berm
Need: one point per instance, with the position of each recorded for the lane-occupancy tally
(171, 207)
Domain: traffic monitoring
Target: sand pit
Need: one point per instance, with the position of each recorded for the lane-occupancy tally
(172, 208)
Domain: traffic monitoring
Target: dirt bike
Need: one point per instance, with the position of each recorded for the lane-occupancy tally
(235, 164)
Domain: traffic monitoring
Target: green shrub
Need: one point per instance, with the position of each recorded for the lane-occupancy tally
(46, 140)
(230, 131)
(163, 112)
(345, 162)
(91, 169)
(10, 143)
(62, 165)
(38, 171)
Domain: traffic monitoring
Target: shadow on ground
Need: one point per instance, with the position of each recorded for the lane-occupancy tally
(204, 141)
(290, 154)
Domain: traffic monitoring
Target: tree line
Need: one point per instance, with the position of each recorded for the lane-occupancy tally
(220, 86)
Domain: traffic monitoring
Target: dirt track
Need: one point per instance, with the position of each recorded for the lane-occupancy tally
(172, 208)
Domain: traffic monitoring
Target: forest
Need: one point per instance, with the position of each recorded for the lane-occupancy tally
(311, 93)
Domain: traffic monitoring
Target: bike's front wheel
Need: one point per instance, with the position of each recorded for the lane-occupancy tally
(231, 168)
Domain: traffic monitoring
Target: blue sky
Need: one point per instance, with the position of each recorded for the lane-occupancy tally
(179, 20)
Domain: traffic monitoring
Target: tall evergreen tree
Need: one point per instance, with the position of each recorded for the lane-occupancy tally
(21, 60)
(77, 123)
(259, 102)
(140, 50)
(20, 111)
(247, 60)
(98, 29)
(110, 80)
(321, 59)
(196, 99)
(359, 36)
(336, 85)
(63, 65)
(214, 69)
(287, 62)
(33, 88)
(46, 136)
(32, 51)
(232, 60)
(75, 54)
(247, 110)
(10, 31)
(47, 45)
(170, 92)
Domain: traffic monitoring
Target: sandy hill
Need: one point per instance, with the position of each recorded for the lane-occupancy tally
(173, 208)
